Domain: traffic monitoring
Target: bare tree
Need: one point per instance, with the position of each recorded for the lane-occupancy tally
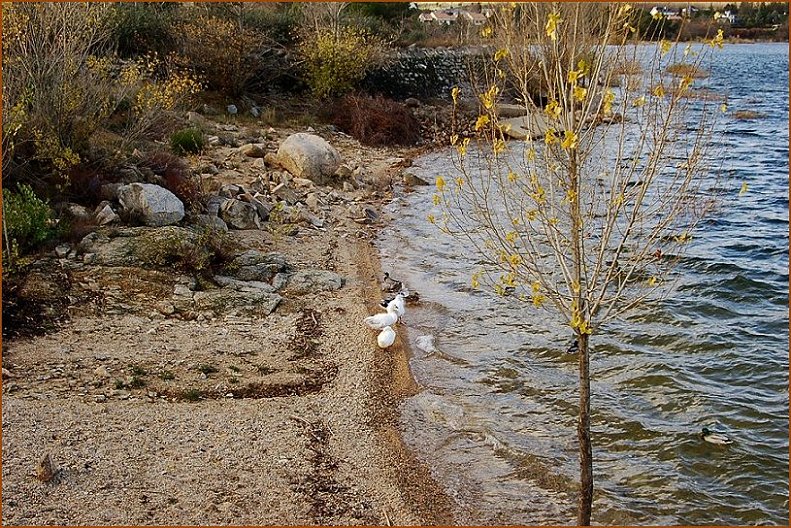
(589, 213)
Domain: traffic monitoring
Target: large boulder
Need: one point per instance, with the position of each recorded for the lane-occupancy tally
(253, 265)
(309, 156)
(150, 204)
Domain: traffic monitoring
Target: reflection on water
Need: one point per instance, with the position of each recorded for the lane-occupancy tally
(496, 421)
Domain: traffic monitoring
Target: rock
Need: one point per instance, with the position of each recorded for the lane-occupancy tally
(209, 168)
(532, 126)
(62, 250)
(411, 102)
(211, 221)
(230, 190)
(258, 302)
(263, 208)
(196, 119)
(109, 191)
(309, 156)
(303, 183)
(214, 204)
(151, 204)
(240, 215)
(254, 265)
(343, 172)
(251, 150)
(255, 112)
(101, 372)
(74, 212)
(231, 109)
(309, 281)
(271, 159)
(280, 281)
(312, 201)
(413, 180)
(286, 193)
(505, 111)
(7, 374)
(348, 187)
(242, 285)
(105, 215)
(45, 471)
(166, 308)
(363, 214)
(259, 163)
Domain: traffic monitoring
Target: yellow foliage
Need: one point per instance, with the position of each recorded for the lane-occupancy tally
(552, 25)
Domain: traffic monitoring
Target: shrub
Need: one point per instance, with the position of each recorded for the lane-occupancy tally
(143, 27)
(27, 221)
(187, 141)
(227, 55)
(335, 61)
(692, 71)
(377, 121)
(176, 177)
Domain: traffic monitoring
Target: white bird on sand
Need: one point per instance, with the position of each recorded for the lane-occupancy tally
(398, 304)
(386, 337)
(381, 320)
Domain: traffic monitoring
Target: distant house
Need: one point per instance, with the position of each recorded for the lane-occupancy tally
(666, 12)
(727, 16)
(445, 17)
(477, 19)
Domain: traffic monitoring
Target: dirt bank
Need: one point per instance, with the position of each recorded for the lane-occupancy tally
(158, 419)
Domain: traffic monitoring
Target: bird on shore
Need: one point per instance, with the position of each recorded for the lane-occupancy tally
(382, 320)
(715, 438)
(389, 284)
(386, 337)
(396, 303)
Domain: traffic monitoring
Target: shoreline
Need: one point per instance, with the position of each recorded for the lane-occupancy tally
(317, 443)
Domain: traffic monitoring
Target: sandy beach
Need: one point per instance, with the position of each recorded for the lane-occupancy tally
(152, 418)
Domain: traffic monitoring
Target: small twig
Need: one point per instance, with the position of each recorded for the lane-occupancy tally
(387, 518)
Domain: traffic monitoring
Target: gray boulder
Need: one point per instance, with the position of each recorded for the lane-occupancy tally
(151, 204)
(309, 156)
(309, 281)
(240, 215)
(254, 265)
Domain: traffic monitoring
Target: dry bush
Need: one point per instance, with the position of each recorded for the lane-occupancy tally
(176, 177)
(226, 55)
(377, 121)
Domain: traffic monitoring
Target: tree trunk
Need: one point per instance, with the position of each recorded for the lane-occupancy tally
(584, 436)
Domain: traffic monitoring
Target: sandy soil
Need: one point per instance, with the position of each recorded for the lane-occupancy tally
(148, 419)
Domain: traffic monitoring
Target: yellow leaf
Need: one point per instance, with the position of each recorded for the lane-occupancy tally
(482, 121)
(640, 101)
(552, 25)
(454, 93)
(531, 154)
(440, 183)
(580, 93)
(500, 54)
(431, 219)
(723, 108)
(454, 139)
(659, 91)
(550, 137)
(569, 140)
(435, 199)
(664, 46)
(553, 109)
(512, 176)
(487, 32)
(744, 189)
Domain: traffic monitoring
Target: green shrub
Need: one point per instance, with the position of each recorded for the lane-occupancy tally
(143, 27)
(27, 220)
(335, 61)
(187, 141)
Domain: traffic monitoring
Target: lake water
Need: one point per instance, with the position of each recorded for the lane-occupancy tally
(496, 420)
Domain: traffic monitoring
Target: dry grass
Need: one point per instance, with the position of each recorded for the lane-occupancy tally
(748, 115)
(680, 69)
(377, 121)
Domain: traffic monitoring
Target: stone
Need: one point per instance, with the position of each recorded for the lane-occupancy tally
(286, 193)
(271, 159)
(312, 280)
(7, 374)
(221, 300)
(303, 182)
(196, 119)
(263, 208)
(242, 285)
(253, 265)
(151, 204)
(251, 150)
(312, 201)
(255, 112)
(73, 211)
(413, 180)
(239, 215)
(309, 156)
(101, 372)
(166, 307)
(411, 102)
(231, 109)
(230, 190)
(344, 171)
(505, 111)
(109, 191)
(62, 250)
(533, 126)
(105, 215)
(348, 187)
(211, 221)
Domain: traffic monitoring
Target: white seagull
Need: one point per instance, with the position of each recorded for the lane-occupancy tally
(381, 320)
(386, 337)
